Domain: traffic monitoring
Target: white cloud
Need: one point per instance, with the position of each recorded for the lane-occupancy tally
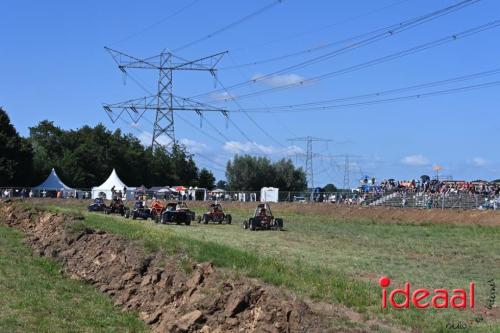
(478, 162)
(293, 150)
(193, 146)
(237, 147)
(222, 96)
(146, 138)
(278, 80)
(415, 160)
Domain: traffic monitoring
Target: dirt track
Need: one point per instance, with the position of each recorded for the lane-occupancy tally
(378, 214)
(375, 214)
(168, 296)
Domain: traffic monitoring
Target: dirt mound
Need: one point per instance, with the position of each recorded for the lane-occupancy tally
(169, 296)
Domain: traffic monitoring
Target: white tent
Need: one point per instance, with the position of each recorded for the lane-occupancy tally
(53, 183)
(269, 194)
(113, 182)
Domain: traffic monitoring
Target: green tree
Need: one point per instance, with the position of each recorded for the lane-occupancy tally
(330, 188)
(206, 179)
(221, 184)
(16, 155)
(248, 173)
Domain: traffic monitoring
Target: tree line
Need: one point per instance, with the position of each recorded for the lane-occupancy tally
(86, 156)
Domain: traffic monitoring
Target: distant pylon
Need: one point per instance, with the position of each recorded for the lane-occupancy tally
(347, 168)
(309, 156)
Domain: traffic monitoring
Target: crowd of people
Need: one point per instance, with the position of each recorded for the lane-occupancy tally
(446, 187)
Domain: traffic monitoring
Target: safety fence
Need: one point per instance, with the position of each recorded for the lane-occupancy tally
(423, 200)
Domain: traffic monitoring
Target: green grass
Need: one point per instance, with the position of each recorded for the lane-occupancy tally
(35, 297)
(337, 261)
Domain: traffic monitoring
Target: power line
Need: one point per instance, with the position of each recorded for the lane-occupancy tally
(229, 26)
(383, 34)
(157, 23)
(250, 118)
(376, 35)
(349, 19)
(397, 99)
(282, 124)
(390, 57)
(379, 93)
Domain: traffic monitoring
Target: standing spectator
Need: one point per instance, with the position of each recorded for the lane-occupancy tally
(31, 194)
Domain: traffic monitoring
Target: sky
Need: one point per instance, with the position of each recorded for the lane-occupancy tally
(54, 66)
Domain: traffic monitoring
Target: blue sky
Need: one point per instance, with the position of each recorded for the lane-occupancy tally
(54, 66)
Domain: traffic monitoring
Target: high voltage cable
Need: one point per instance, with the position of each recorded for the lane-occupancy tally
(197, 154)
(282, 124)
(324, 27)
(136, 81)
(229, 26)
(395, 99)
(380, 33)
(155, 24)
(393, 30)
(397, 55)
(250, 118)
(382, 93)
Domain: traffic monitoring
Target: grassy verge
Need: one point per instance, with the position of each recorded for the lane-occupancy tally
(34, 297)
(338, 261)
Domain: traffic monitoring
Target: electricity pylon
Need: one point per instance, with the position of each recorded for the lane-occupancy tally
(309, 155)
(164, 102)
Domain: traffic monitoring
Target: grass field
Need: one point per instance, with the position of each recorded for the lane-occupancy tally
(34, 297)
(338, 260)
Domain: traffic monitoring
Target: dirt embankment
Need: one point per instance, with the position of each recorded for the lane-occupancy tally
(167, 295)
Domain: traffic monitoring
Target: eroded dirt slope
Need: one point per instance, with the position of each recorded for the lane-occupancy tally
(168, 296)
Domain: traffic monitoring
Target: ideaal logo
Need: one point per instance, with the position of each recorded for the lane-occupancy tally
(422, 298)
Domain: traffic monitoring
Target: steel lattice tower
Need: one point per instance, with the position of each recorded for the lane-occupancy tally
(164, 102)
(309, 155)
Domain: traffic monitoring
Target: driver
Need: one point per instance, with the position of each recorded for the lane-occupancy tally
(262, 212)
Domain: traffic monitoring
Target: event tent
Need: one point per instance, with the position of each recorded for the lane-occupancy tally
(113, 182)
(53, 183)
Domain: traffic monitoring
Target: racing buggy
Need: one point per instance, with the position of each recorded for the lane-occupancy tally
(263, 219)
(97, 206)
(140, 211)
(117, 207)
(156, 209)
(176, 212)
(215, 214)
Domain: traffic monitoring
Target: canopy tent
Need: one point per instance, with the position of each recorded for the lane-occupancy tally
(53, 183)
(113, 183)
(141, 189)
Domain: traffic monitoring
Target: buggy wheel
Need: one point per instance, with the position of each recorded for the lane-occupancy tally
(188, 220)
(229, 219)
(279, 224)
(206, 218)
(157, 218)
(134, 215)
(127, 213)
(199, 219)
(252, 225)
(245, 225)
